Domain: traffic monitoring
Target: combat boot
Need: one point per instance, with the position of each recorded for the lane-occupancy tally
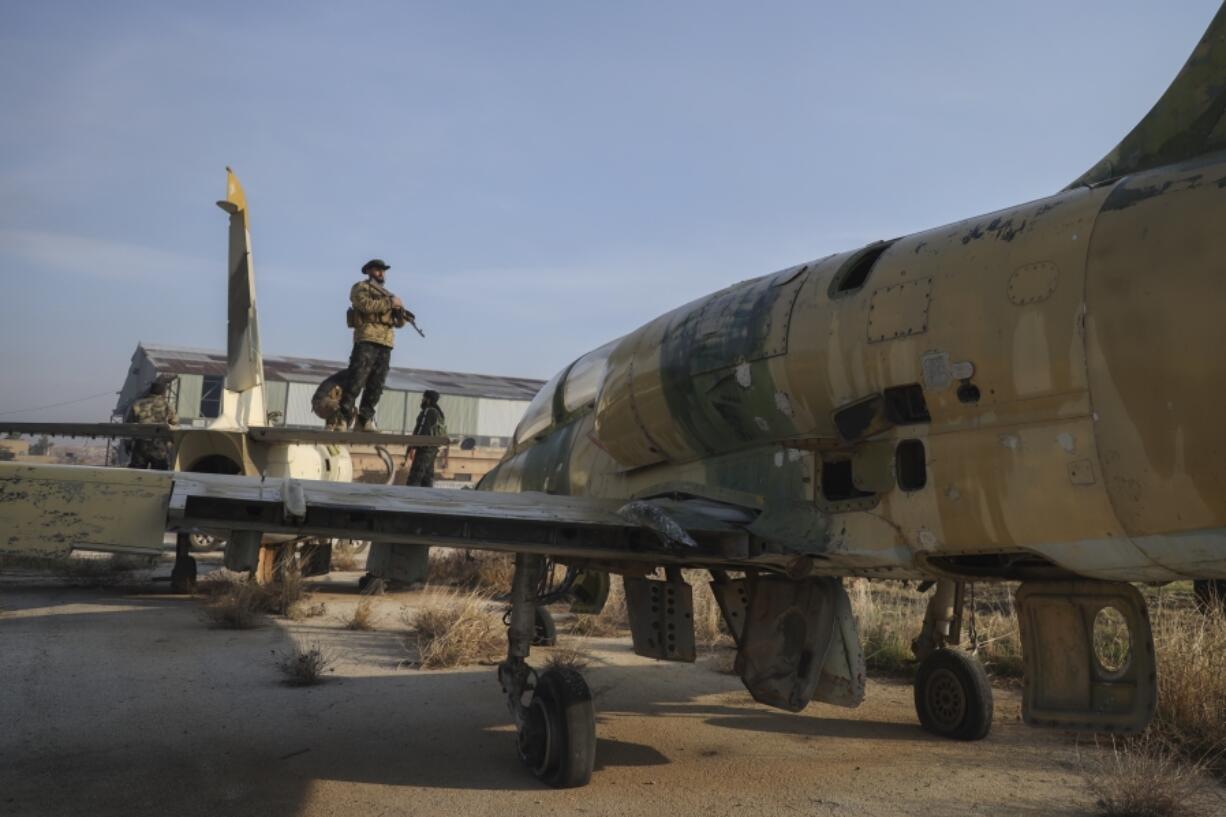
(364, 424)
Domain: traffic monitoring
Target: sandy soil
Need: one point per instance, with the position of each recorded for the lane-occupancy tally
(118, 702)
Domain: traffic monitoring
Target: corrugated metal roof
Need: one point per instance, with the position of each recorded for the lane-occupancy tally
(180, 360)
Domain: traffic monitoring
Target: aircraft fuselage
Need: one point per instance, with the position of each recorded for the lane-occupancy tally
(1031, 392)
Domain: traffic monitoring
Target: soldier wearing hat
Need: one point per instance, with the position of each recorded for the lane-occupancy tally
(374, 317)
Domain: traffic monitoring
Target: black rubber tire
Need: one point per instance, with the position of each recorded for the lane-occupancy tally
(558, 739)
(953, 697)
(545, 633)
(1210, 595)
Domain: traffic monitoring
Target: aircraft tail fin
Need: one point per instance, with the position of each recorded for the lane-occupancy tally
(1188, 121)
(244, 362)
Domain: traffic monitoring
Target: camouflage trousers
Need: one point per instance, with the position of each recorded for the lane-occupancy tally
(367, 371)
(150, 454)
(421, 472)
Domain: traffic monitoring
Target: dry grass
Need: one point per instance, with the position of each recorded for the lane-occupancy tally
(568, 658)
(1143, 777)
(305, 666)
(890, 615)
(363, 617)
(236, 602)
(482, 571)
(343, 560)
(1191, 651)
(288, 596)
(234, 605)
(456, 629)
(710, 630)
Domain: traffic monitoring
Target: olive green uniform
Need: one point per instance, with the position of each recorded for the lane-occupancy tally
(374, 323)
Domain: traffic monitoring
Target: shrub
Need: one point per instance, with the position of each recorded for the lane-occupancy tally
(234, 605)
(305, 666)
(455, 629)
(489, 573)
(1142, 777)
(363, 616)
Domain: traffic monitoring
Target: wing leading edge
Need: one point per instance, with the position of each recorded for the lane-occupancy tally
(49, 509)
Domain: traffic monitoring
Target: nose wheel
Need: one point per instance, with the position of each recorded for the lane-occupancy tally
(953, 697)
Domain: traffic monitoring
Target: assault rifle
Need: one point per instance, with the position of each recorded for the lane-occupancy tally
(399, 313)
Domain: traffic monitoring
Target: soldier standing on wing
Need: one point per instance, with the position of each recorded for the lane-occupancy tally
(153, 408)
(430, 423)
(374, 316)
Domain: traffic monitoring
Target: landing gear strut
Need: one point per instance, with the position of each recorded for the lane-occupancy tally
(953, 696)
(183, 574)
(556, 727)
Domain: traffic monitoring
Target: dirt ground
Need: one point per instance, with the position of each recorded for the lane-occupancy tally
(122, 702)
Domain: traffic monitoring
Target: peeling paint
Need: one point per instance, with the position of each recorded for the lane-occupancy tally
(743, 378)
(1067, 441)
(1011, 441)
(783, 403)
(1003, 229)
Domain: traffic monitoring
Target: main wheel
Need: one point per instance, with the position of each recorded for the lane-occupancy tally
(558, 738)
(953, 697)
(545, 633)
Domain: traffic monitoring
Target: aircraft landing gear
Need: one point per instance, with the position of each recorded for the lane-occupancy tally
(953, 696)
(556, 728)
(183, 574)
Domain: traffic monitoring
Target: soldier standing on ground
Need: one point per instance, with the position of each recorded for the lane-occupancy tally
(430, 423)
(374, 316)
(402, 563)
(153, 408)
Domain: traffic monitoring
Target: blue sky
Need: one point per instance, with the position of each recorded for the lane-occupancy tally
(542, 176)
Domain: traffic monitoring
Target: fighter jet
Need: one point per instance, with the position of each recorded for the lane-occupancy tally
(1027, 395)
(240, 439)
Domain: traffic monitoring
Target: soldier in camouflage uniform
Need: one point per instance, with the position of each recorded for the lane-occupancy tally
(374, 316)
(430, 423)
(153, 408)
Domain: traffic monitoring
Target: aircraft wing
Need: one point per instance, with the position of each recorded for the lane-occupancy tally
(161, 431)
(320, 436)
(136, 431)
(49, 509)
